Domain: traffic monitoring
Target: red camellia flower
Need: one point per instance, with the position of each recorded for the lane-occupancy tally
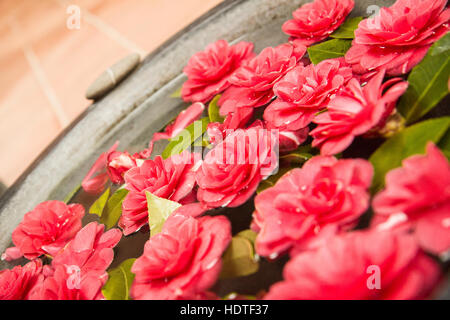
(236, 120)
(291, 140)
(111, 165)
(91, 249)
(253, 82)
(288, 140)
(47, 228)
(398, 37)
(304, 91)
(68, 283)
(315, 21)
(183, 120)
(354, 111)
(209, 71)
(97, 177)
(183, 261)
(325, 192)
(78, 272)
(172, 178)
(117, 164)
(231, 172)
(16, 284)
(359, 265)
(417, 196)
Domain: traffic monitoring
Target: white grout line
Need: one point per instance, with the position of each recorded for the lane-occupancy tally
(40, 76)
(107, 29)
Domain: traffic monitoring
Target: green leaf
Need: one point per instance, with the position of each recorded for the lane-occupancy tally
(185, 138)
(99, 204)
(296, 157)
(119, 282)
(249, 235)
(72, 194)
(239, 259)
(159, 209)
(213, 110)
(334, 48)
(113, 209)
(441, 46)
(444, 144)
(408, 142)
(272, 180)
(428, 82)
(202, 141)
(347, 30)
(176, 93)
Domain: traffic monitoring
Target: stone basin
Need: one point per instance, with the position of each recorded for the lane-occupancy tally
(141, 105)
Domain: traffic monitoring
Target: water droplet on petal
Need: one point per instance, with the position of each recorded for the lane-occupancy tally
(211, 265)
(178, 292)
(446, 223)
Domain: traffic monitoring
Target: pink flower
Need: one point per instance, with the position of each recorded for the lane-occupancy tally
(359, 265)
(315, 21)
(231, 172)
(118, 163)
(217, 132)
(354, 111)
(68, 283)
(111, 165)
(47, 229)
(172, 178)
(194, 209)
(183, 120)
(183, 261)
(91, 249)
(253, 82)
(304, 91)
(398, 37)
(97, 177)
(11, 253)
(417, 196)
(325, 192)
(16, 284)
(209, 71)
(78, 272)
(287, 140)
(291, 140)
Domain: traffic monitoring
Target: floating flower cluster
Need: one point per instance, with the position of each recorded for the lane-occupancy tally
(348, 182)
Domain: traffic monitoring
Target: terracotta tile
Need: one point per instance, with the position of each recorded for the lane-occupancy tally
(72, 59)
(36, 19)
(13, 65)
(27, 126)
(150, 23)
(90, 4)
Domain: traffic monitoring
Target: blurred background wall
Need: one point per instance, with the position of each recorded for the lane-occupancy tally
(47, 61)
